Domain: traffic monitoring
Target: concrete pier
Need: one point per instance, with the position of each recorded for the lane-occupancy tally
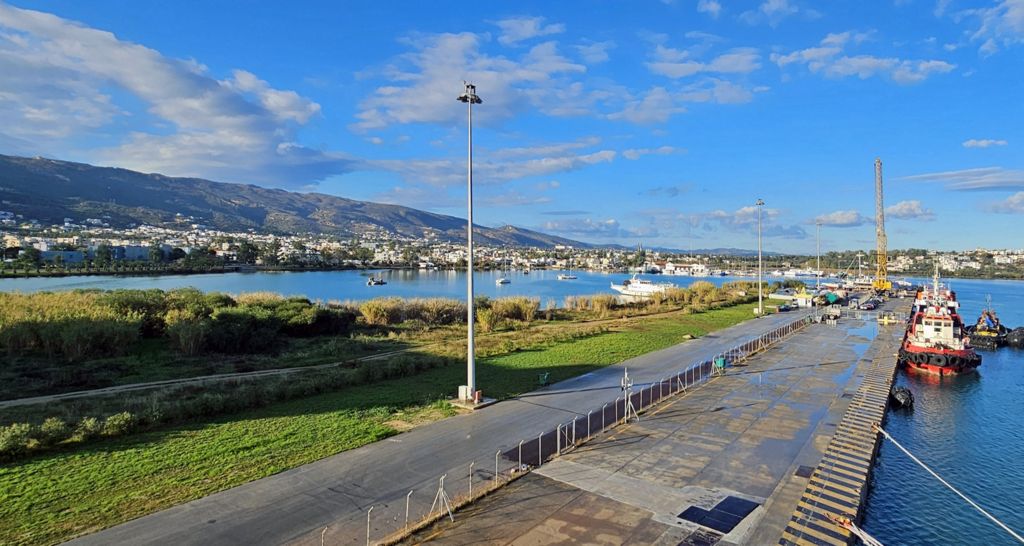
(747, 458)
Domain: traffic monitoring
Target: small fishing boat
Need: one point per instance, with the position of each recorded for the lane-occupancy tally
(566, 277)
(376, 281)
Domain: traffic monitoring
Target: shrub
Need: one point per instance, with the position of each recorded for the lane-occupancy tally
(440, 312)
(382, 311)
(217, 299)
(73, 325)
(186, 332)
(14, 439)
(603, 304)
(488, 320)
(149, 305)
(53, 431)
(119, 424)
(191, 301)
(88, 427)
(243, 330)
(516, 308)
(264, 299)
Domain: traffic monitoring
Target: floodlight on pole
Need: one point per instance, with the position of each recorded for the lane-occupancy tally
(760, 268)
(467, 392)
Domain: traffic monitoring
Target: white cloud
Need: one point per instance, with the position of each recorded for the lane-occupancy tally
(656, 106)
(237, 129)
(774, 12)
(420, 197)
(594, 52)
(999, 27)
(637, 153)
(424, 83)
(710, 7)
(842, 218)
(518, 29)
(542, 150)
(1013, 204)
(984, 178)
(488, 169)
(512, 198)
(598, 229)
(828, 59)
(983, 143)
(909, 210)
(717, 91)
(667, 191)
(675, 63)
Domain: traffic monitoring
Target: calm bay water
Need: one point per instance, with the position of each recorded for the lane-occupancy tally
(351, 285)
(967, 429)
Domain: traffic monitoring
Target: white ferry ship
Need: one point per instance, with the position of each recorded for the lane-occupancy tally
(641, 287)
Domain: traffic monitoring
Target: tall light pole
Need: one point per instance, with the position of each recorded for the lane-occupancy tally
(467, 391)
(817, 237)
(760, 274)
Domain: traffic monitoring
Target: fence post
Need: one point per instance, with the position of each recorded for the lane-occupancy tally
(558, 439)
(496, 467)
(471, 480)
(368, 512)
(602, 415)
(520, 467)
(540, 452)
(574, 431)
(407, 508)
(588, 423)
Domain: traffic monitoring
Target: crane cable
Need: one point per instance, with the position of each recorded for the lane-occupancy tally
(947, 484)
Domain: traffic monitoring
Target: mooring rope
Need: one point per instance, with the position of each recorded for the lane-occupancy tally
(947, 484)
(850, 526)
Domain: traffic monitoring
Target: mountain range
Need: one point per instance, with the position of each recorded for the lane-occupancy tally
(49, 191)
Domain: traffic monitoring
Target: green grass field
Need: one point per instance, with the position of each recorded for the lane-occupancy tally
(53, 497)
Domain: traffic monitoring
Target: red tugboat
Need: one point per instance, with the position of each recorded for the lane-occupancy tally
(935, 341)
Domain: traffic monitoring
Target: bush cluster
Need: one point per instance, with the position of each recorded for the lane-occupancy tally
(431, 311)
(82, 324)
(69, 325)
(185, 403)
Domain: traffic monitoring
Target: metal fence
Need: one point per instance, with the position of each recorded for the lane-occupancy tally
(386, 522)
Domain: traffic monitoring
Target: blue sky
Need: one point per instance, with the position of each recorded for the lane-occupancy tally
(619, 122)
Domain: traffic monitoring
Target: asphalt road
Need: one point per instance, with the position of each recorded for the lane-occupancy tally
(296, 505)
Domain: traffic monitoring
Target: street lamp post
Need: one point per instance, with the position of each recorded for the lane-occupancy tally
(760, 274)
(817, 238)
(467, 391)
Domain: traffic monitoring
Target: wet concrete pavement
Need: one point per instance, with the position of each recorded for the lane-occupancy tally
(749, 435)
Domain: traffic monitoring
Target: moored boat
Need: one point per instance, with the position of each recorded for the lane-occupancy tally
(376, 281)
(936, 341)
(641, 288)
(988, 332)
